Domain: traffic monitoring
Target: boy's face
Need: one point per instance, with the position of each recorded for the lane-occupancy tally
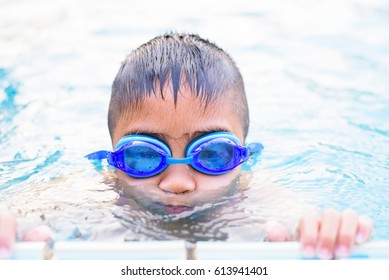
(179, 187)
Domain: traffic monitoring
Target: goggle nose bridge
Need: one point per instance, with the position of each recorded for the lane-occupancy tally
(187, 160)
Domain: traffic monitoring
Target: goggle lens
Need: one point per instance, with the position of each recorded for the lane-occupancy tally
(142, 158)
(216, 156)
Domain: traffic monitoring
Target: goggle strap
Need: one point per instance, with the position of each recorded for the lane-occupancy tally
(255, 148)
(98, 155)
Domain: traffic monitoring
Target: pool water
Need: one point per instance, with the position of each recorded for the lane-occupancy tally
(316, 80)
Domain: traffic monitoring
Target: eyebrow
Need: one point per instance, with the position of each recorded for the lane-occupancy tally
(192, 135)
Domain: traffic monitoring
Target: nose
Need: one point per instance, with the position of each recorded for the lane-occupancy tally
(178, 179)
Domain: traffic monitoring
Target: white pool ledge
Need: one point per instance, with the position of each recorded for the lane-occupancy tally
(160, 250)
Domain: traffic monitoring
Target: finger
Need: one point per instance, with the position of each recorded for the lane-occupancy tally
(328, 233)
(7, 234)
(308, 231)
(347, 232)
(365, 227)
(276, 232)
(40, 233)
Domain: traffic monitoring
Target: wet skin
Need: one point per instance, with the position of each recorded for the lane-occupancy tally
(179, 187)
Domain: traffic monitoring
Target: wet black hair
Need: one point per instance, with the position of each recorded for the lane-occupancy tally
(169, 59)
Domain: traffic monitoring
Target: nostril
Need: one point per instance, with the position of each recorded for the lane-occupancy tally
(174, 187)
(174, 192)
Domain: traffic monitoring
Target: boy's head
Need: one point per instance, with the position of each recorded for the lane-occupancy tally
(175, 89)
(174, 61)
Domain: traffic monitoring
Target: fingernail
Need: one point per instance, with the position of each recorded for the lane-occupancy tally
(4, 253)
(342, 251)
(324, 254)
(360, 238)
(308, 251)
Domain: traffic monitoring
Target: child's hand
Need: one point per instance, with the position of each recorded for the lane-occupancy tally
(8, 234)
(330, 236)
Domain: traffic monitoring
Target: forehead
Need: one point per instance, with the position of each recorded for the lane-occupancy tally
(188, 115)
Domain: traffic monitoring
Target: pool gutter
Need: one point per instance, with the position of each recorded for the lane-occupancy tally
(180, 250)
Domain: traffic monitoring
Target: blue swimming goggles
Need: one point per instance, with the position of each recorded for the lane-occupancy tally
(142, 156)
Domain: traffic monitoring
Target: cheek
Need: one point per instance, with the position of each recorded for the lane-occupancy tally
(143, 191)
(222, 183)
(134, 182)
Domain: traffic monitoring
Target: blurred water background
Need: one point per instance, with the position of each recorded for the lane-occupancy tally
(316, 75)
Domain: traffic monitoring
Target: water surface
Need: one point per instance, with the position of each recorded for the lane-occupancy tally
(315, 74)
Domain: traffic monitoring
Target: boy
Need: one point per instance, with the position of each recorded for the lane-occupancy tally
(178, 118)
